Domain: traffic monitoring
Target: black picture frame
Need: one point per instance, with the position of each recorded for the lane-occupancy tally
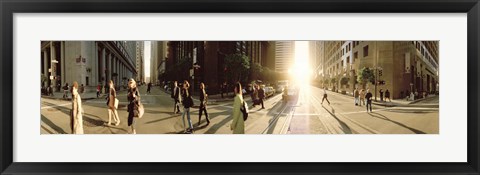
(9, 7)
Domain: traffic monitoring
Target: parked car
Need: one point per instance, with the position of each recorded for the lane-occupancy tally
(269, 91)
(290, 93)
(281, 85)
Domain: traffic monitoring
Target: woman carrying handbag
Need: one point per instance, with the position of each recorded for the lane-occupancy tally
(112, 105)
(135, 108)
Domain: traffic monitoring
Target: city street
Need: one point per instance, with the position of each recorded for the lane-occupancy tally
(303, 116)
(159, 117)
(343, 117)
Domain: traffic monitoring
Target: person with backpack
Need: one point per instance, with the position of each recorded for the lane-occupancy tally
(203, 104)
(238, 123)
(176, 97)
(187, 102)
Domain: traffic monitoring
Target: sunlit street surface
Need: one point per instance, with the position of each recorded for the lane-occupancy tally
(309, 87)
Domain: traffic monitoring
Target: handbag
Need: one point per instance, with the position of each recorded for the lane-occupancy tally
(244, 110)
(116, 103)
(141, 110)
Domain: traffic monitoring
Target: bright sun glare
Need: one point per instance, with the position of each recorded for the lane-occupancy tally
(300, 71)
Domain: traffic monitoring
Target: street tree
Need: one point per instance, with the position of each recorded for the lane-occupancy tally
(269, 75)
(365, 75)
(257, 72)
(344, 81)
(237, 66)
(334, 82)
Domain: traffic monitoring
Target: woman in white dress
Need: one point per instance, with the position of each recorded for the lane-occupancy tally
(77, 110)
(112, 109)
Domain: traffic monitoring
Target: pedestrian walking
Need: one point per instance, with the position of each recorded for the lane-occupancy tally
(368, 97)
(99, 88)
(106, 87)
(148, 87)
(65, 91)
(381, 95)
(223, 88)
(112, 103)
(176, 97)
(261, 96)
(356, 95)
(82, 89)
(203, 104)
(325, 96)
(254, 95)
(362, 97)
(187, 102)
(387, 95)
(77, 110)
(238, 124)
(133, 97)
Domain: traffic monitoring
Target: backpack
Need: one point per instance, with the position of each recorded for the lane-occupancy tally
(244, 110)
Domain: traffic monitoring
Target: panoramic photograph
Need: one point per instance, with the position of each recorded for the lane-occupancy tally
(239, 87)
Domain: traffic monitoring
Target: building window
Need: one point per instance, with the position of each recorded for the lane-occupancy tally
(355, 55)
(348, 60)
(365, 51)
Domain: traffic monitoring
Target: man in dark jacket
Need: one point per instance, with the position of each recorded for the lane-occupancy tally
(261, 96)
(176, 96)
(368, 97)
(203, 104)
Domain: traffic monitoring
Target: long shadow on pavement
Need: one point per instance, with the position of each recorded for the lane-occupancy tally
(52, 125)
(381, 116)
(217, 126)
(162, 119)
(63, 109)
(345, 128)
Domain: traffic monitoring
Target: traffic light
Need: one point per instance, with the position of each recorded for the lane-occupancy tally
(380, 72)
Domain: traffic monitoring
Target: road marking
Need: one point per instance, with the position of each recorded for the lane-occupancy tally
(48, 107)
(104, 102)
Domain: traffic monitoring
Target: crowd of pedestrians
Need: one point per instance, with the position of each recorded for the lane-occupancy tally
(182, 98)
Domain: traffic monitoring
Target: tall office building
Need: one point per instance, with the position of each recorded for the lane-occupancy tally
(157, 61)
(139, 61)
(284, 53)
(403, 66)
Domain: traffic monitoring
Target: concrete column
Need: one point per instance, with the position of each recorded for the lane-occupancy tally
(53, 66)
(103, 66)
(45, 65)
(109, 68)
(115, 63)
(62, 60)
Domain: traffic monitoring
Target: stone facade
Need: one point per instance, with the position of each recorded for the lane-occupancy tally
(403, 66)
(88, 62)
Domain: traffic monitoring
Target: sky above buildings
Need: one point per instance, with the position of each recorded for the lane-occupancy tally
(146, 56)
